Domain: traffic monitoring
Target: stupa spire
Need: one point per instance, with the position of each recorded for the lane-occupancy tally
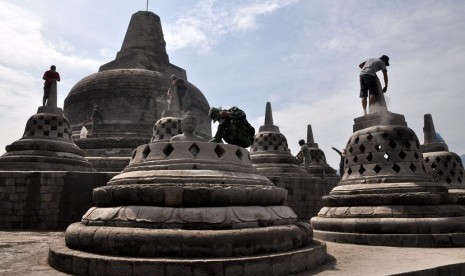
(431, 143)
(269, 126)
(143, 47)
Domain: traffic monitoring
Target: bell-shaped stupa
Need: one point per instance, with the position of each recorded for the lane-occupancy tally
(446, 167)
(318, 167)
(188, 208)
(130, 93)
(386, 197)
(272, 158)
(46, 144)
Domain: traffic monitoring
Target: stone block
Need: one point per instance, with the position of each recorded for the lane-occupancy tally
(258, 267)
(97, 267)
(458, 239)
(233, 269)
(118, 268)
(173, 196)
(176, 269)
(298, 262)
(80, 266)
(148, 268)
(281, 265)
(209, 269)
(66, 262)
(441, 240)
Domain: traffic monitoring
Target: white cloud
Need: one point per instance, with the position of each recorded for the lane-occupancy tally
(203, 26)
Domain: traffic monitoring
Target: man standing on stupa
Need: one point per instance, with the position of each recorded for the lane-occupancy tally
(368, 80)
(50, 76)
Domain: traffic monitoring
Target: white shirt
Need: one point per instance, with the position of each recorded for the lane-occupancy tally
(372, 65)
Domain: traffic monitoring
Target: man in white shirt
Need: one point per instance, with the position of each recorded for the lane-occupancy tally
(368, 80)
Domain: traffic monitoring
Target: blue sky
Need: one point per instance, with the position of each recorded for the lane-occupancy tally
(301, 55)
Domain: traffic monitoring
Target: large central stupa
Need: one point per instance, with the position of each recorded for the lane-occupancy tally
(130, 93)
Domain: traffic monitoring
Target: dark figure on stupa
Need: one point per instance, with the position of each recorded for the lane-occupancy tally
(233, 126)
(50, 77)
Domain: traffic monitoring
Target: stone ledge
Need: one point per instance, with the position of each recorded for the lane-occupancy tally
(81, 263)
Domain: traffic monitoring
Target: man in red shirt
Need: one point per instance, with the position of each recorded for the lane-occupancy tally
(49, 76)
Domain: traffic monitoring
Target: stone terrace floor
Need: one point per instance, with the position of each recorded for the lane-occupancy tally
(25, 253)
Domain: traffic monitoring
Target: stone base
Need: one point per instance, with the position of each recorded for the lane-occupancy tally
(400, 240)
(82, 263)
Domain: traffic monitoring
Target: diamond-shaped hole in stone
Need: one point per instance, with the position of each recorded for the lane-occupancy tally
(362, 148)
(239, 154)
(351, 149)
(219, 150)
(146, 152)
(399, 133)
(392, 144)
(370, 157)
(448, 180)
(377, 147)
(440, 172)
(396, 168)
(355, 159)
(408, 145)
(377, 169)
(361, 170)
(386, 156)
(416, 156)
(385, 135)
(454, 165)
(452, 172)
(402, 155)
(369, 137)
(434, 166)
(168, 150)
(356, 140)
(194, 150)
(427, 159)
(459, 180)
(412, 167)
(349, 171)
(438, 159)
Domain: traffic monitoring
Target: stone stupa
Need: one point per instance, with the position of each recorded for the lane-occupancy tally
(386, 197)
(446, 167)
(131, 93)
(272, 158)
(46, 144)
(318, 166)
(188, 208)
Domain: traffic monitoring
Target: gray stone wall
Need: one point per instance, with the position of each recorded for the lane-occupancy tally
(46, 200)
(303, 196)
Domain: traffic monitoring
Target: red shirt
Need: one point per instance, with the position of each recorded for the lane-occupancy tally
(50, 75)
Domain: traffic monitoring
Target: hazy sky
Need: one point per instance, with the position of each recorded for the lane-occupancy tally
(301, 55)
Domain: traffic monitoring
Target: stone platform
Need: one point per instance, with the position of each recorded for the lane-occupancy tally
(26, 253)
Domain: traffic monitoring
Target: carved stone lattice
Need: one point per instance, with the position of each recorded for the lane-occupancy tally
(386, 196)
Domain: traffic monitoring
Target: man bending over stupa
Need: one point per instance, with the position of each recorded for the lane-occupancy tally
(233, 126)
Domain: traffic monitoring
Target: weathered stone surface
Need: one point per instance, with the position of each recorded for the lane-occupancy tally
(271, 156)
(386, 196)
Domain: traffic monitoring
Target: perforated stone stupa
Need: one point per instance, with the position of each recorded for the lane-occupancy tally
(131, 93)
(46, 144)
(318, 166)
(385, 196)
(445, 166)
(272, 158)
(188, 208)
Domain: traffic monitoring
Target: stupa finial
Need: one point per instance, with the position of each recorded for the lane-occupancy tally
(428, 130)
(269, 126)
